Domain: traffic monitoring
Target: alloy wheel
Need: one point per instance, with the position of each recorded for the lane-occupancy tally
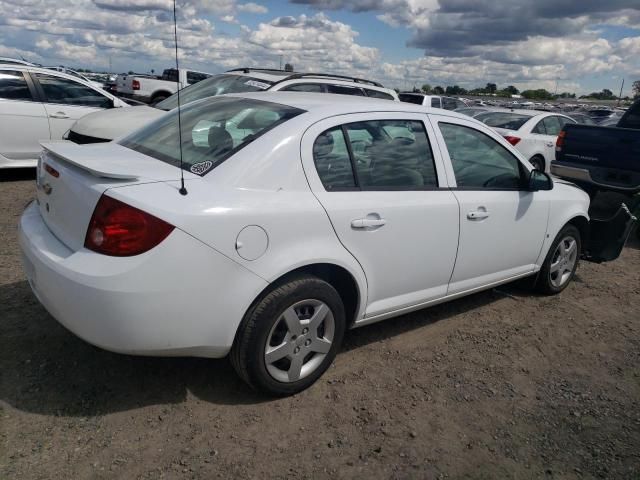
(563, 261)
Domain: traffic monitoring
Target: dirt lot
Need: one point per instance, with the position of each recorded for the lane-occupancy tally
(503, 384)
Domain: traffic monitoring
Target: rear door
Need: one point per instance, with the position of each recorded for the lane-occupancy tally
(385, 191)
(66, 100)
(502, 224)
(23, 119)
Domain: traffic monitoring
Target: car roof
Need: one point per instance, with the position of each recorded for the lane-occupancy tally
(334, 104)
(282, 75)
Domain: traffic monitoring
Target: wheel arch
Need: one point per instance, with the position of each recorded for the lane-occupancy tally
(582, 224)
(160, 93)
(339, 277)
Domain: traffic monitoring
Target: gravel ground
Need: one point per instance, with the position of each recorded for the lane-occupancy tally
(502, 384)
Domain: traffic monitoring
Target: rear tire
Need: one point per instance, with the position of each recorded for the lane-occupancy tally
(157, 99)
(538, 162)
(561, 262)
(290, 336)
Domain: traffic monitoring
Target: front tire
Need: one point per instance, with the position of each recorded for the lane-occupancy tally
(290, 336)
(561, 262)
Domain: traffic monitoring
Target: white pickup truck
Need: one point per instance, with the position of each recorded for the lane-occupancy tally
(151, 89)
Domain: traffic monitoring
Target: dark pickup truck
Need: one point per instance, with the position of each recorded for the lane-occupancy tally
(601, 158)
(605, 159)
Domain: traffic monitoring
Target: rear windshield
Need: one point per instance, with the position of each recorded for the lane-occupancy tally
(511, 121)
(213, 130)
(417, 99)
(212, 86)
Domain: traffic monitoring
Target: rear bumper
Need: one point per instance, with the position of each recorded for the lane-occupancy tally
(621, 180)
(180, 298)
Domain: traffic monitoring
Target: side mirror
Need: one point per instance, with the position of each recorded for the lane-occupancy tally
(539, 180)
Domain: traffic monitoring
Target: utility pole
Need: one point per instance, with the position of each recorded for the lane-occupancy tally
(621, 87)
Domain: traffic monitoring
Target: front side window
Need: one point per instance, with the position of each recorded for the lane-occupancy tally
(435, 102)
(212, 86)
(13, 86)
(386, 155)
(304, 87)
(213, 130)
(449, 103)
(479, 161)
(68, 92)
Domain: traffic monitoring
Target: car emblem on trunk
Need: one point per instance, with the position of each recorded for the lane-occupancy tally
(47, 188)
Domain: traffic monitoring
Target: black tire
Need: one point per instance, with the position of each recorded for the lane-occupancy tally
(538, 162)
(544, 283)
(248, 351)
(157, 99)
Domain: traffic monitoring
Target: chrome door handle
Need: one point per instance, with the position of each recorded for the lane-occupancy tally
(368, 222)
(478, 215)
(59, 115)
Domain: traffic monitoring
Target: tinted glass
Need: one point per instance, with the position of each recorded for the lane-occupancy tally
(212, 86)
(195, 77)
(449, 103)
(511, 121)
(13, 86)
(213, 129)
(479, 161)
(332, 160)
(392, 154)
(552, 125)
(539, 128)
(170, 74)
(407, 97)
(68, 92)
(304, 87)
(435, 102)
(378, 94)
(344, 90)
(631, 118)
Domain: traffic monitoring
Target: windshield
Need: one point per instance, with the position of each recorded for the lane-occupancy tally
(213, 130)
(216, 85)
(511, 121)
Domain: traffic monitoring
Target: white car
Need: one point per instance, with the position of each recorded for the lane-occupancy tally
(79, 75)
(533, 133)
(38, 104)
(107, 126)
(302, 215)
(435, 101)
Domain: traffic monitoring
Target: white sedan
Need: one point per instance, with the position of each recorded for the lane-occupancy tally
(302, 215)
(39, 104)
(533, 133)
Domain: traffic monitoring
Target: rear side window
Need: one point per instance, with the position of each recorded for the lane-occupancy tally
(304, 87)
(539, 128)
(435, 102)
(552, 125)
(213, 130)
(195, 77)
(408, 98)
(386, 155)
(13, 86)
(378, 94)
(345, 90)
(69, 92)
(511, 121)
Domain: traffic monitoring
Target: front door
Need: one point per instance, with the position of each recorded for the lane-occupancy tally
(502, 225)
(23, 119)
(379, 181)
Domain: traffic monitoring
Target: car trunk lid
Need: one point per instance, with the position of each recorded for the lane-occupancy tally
(71, 178)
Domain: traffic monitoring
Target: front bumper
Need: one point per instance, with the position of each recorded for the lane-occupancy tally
(180, 298)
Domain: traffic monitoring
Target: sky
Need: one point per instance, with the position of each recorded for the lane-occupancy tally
(565, 45)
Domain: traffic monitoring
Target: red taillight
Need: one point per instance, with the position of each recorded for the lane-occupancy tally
(512, 140)
(120, 230)
(560, 140)
(135, 85)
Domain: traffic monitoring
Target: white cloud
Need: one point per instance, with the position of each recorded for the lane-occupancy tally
(252, 8)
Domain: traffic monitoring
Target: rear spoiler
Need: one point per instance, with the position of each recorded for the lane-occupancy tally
(86, 159)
